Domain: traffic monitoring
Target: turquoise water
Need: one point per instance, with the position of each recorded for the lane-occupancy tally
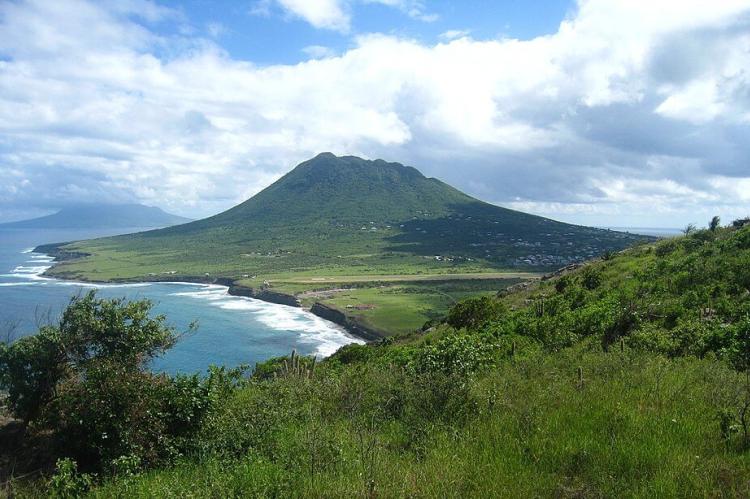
(231, 330)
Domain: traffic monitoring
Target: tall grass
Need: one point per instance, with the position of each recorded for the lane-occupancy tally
(639, 425)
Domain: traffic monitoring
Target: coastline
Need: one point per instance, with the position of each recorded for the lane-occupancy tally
(318, 309)
(321, 310)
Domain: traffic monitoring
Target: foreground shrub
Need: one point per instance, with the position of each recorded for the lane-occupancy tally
(67, 482)
(87, 382)
(459, 353)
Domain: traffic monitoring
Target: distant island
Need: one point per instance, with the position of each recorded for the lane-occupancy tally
(101, 216)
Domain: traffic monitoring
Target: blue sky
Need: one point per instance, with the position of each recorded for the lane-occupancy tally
(598, 112)
(266, 33)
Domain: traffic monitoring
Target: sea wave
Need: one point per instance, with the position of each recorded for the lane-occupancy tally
(35, 270)
(326, 337)
(99, 285)
(41, 259)
(32, 271)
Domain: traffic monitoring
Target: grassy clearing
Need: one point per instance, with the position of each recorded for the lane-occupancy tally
(403, 297)
(436, 276)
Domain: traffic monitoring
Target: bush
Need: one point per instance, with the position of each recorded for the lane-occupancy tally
(353, 353)
(462, 354)
(68, 483)
(86, 380)
(475, 312)
(590, 278)
(562, 284)
(666, 247)
(92, 332)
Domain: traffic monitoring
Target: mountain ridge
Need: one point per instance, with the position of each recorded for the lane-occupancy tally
(101, 216)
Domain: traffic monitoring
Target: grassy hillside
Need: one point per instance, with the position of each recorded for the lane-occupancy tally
(637, 426)
(346, 216)
(626, 377)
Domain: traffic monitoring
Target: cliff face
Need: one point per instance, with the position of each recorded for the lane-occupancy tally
(338, 317)
(263, 294)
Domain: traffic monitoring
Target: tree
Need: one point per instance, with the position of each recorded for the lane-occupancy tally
(689, 229)
(86, 380)
(92, 332)
(714, 223)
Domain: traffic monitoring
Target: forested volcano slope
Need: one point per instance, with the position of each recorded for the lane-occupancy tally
(347, 215)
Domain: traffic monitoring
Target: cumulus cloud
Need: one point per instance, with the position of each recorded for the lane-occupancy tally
(336, 14)
(318, 51)
(453, 34)
(413, 8)
(329, 14)
(631, 111)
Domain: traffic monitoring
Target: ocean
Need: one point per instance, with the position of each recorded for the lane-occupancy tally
(231, 330)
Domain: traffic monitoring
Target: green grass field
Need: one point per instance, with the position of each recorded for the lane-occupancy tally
(401, 309)
(400, 297)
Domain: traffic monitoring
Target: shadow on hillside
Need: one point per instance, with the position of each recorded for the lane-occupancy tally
(480, 230)
(22, 454)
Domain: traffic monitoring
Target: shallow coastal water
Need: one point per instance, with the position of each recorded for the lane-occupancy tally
(232, 330)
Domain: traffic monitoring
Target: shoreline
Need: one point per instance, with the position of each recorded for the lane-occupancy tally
(332, 314)
(318, 309)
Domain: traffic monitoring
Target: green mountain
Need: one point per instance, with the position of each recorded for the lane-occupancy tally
(346, 215)
(101, 216)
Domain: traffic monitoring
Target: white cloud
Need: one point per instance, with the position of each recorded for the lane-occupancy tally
(336, 14)
(328, 14)
(629, 107)
(413, 8)
(318, 51)
(454, 34)
(216, 29)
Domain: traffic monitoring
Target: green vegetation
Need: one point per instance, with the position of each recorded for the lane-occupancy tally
(344, 216)
(86, 380)
(393, 307)
(627, 377)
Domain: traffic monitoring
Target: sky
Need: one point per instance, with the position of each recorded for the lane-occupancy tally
(622, 113)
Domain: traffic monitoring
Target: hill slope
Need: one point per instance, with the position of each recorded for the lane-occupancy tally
(624, 378)
(101, 216)
(348, 215)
